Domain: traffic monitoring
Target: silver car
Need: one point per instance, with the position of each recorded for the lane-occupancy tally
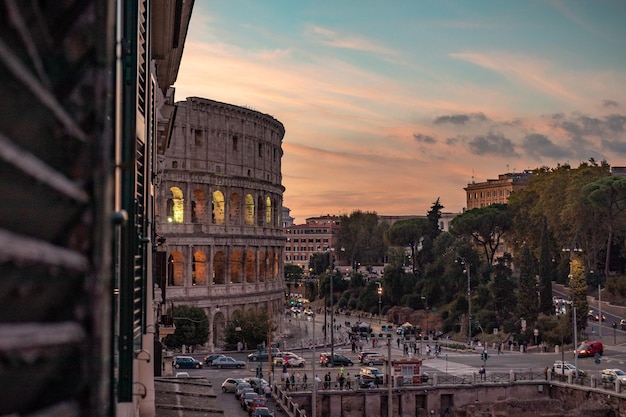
(227, 362)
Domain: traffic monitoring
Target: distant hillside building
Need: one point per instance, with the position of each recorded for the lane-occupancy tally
(493, 191)
(319, 235)
(302, 241)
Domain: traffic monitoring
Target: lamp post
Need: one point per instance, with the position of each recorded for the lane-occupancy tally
(462, 261)
(380, 301)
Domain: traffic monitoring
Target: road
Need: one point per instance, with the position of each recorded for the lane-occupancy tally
(448, 362)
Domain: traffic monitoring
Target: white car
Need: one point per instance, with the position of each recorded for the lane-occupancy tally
(612, 375)
(293, 360)
(566, 368)
(374, 359)
(230, 384)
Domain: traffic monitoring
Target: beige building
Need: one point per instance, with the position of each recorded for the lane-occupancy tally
(492, 191)
(317, 235)
(219, 210)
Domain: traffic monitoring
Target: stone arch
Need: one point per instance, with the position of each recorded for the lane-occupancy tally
(260, 211)
(249, 210)
(198, 206)
(276, 265)
(219, 329)
(250, 267)
(219, 268)
(234, 209)
(176, 269)
(262, 265)
(175, 206)
(268, 211)
(235, 266)
(199, 269)
(217, 216)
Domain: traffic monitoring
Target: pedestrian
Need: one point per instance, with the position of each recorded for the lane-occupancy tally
(348, 381)
(341, 370)
(327, 380)
(342, 381)
(398, 341)
(483, 373)
(317, 381)
(268, 391)
(304, 381)
(293, 382)
(499, 347)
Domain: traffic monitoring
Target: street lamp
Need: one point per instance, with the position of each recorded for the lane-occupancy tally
(380, 301)
(462, 261)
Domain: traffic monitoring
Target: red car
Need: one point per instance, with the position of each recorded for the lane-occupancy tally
(256, 402)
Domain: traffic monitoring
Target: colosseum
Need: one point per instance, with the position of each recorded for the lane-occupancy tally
(219, 202)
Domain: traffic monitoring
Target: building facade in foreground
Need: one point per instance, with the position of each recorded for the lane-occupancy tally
(219, 212)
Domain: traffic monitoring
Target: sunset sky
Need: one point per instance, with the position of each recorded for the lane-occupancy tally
(389, 105)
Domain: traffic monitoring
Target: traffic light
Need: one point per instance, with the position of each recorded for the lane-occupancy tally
(614, 325)
(484, 356)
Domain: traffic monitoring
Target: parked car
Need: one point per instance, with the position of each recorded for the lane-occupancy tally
(246, 398)
(243, 387)
(425, 376)
(613, 375)
(337, 360)
(622, 324)
(258, 384)
(262, 355)
(261, 412)
(259, 401)
(230, 384)
(227, 362)
(566, 368)
(374, 359)
(208, 360)
(186, 362)
(590, 348)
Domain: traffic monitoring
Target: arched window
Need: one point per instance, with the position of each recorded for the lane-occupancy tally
(198, 207)
(234, 210)
(176, 211)
(219, 268)
(250, 267)
(199, 274)
(175, 270)
(217, 216)
(249, 210)
(268, 211)
(262, 265)
(235, 267)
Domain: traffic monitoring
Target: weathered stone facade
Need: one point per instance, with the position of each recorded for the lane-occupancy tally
(219, 207)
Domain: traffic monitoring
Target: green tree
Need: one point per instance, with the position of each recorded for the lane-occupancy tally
(485, 226)
(360, 238)
(293, 276)
(546, 273)
(250, 327)
(503, 288)
(409, 233)
(578, 289)
(527, 304)
(609, 196)
(192, 327)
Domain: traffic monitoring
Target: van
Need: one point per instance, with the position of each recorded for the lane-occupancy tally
(590, 348)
